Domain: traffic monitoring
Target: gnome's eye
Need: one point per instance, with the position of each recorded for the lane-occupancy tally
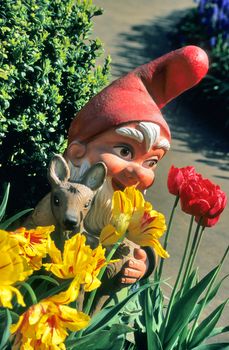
(124, 152)
(151, 163)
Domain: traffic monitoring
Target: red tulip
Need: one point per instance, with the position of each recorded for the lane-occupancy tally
(177, 176)
(207, 222)
(201, 198)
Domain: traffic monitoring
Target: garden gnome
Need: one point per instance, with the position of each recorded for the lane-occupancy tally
(123, 127)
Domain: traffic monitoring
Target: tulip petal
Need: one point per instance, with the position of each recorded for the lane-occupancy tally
(109, 235)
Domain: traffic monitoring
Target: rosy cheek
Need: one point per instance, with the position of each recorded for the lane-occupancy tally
(114, 164)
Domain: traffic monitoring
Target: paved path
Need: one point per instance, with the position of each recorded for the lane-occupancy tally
(134, 32)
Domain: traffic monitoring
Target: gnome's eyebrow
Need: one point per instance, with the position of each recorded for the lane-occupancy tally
(148, 131)
(131, 133)
(151, 133)
(163, 143)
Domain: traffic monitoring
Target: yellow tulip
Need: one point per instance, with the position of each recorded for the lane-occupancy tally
(13, 268)
(77, 262)
(68, 296)
(147, 228)
(33, 243)
(134, 217)
(6, 295)
(97, 262)
(136, 198)
(122, 210)
(47, 324)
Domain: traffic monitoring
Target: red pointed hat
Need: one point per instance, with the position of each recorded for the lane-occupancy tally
(139, 95)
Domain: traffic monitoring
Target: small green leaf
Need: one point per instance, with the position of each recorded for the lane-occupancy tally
(218, 346)
(109, 339)
(210, 297)
(148, 308)
(4, 202)
(190, 282)
(108, 315)
(158, 316)
(181, 310)
(45, 278)
(29, 289)
(156, 343)
(12, 219)
(6, 332)
(54, 290)
(206, 326)
(218, 330)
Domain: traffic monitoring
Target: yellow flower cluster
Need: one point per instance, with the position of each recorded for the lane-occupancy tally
(133, 216)
(21, 253)
(77, 262)
(13, 268)
(45, 325)
(34, 243)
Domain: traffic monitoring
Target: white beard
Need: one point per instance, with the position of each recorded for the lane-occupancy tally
(100, 212)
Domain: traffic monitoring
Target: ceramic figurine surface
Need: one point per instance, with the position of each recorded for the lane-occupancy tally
(68, 203)
(123, 127)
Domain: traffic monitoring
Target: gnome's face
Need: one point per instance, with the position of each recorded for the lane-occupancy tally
(129, 152)
(111, 126)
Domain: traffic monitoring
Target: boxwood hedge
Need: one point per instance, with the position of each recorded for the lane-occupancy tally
(47, 73)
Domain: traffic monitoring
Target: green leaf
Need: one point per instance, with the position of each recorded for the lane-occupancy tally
(148, 308)
(4, 202)
(141, 340)
(209, 299)
(6, 332)
(158, 316)
(156, 343)
(182, 340)
(15, 217)
(45, 278)
(29, 289)
(182, 309)
(190, 282)
(13, 315)
(218, 346)
(109, 339)
(54, 290)
(108, 315)
(219, 330)
(207, 326)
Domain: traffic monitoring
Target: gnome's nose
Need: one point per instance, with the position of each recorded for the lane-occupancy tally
(137, 174)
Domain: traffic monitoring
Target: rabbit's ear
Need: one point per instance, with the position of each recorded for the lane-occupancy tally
(58, 170)
(94, 177)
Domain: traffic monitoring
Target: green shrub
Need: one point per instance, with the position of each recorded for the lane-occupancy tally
(47, 73)
(213, 92)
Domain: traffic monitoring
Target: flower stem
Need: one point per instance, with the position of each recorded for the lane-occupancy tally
(192, 255)
(92, 295)
(207, 294)
(100, 275)
(171, 301)
(167, 234)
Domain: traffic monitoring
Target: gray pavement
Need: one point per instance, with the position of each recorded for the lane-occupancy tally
(134, 32)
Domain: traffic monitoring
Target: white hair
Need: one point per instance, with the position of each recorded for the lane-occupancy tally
(96, 218)
(100, 213)
(150, 132)
(77, 171)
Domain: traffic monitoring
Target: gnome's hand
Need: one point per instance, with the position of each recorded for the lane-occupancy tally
(135, 268)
